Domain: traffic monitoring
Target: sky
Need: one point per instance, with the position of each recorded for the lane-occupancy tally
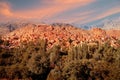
(59, 11)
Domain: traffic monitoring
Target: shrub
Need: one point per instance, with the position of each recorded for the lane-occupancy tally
(76, 70)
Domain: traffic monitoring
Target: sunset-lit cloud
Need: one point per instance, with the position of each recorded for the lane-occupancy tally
(71, 11)
(77, 17)
(109, 12)
(5, 9)
(106, 13)
(73, 1)
(51, 10)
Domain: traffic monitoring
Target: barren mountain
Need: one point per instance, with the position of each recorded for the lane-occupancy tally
(110, 24)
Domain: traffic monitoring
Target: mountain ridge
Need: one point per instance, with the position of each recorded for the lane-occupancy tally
(61, 35)
(106, 24)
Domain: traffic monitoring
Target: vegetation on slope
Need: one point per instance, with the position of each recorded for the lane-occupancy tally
(32, 61)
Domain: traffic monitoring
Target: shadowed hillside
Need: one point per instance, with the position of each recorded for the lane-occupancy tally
(8, 27)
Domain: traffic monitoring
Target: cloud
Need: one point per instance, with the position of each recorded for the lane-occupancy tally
(5, 9)
(101, 15)
(51, 9)
(73, 1)
(109, 12)
(55, 7)
(82, 16)
(75, 17)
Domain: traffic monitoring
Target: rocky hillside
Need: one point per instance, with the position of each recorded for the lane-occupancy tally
(63, 35)
(70, 54)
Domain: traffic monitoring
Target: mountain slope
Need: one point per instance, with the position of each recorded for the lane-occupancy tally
(61, 35)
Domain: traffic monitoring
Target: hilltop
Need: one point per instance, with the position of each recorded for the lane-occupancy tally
(62, 34)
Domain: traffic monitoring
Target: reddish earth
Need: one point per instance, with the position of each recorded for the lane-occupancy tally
(62, 35)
